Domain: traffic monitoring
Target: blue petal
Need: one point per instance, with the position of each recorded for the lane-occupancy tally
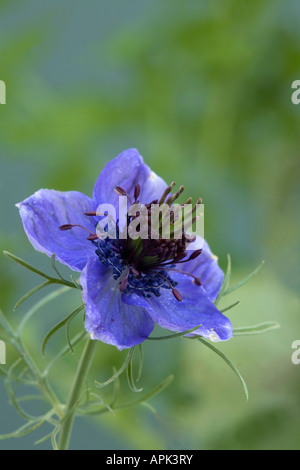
(45, 211)
(206, 267)
(107, 318)
(126, 170)
(195, 309)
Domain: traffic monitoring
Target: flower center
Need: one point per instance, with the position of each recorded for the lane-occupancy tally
(145, 264)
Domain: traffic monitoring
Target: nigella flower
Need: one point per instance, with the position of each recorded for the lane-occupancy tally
(128, 285)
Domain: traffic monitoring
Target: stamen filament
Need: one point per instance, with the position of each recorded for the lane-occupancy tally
(196, 279)
(166, 192)
(70, 226)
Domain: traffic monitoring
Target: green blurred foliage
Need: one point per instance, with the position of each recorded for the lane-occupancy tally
(203, 90)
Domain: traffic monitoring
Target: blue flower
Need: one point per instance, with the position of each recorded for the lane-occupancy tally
(130, 285)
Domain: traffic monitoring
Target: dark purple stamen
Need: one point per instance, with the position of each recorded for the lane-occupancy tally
(66, 227)
(148, 261)
(121, 192)
(91, 213)
(196, 279)
(177, 295)
(70, 226)
(92, 237)
(137, 191)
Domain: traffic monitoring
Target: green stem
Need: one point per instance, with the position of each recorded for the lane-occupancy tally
(74, 397)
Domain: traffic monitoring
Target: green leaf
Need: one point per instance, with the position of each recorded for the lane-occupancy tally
(228, 362)
(7, 327)
(141, 401)
(60, 325)
(53, 438)
(229, 307)
(67, 328)
(151, 408)
(76, 284)
(140, 370)
(23, 430)
(37, 271)
(52, 261)
(64, 351)
(157, 389)
(25, 264)
(43, 439)
(11, 392)
(3, 371)
(118, 373)
(98, 401)
(38, 305)
(116, 390)
(241, 283)
(225, 282)
(30, 293)
(130, 377)
(175, 335)
(256, 329)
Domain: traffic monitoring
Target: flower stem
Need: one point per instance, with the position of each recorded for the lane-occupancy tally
(74, 397)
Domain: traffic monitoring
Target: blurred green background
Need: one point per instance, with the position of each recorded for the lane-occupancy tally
(203, 90)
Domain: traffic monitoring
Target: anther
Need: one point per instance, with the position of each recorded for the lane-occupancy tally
(173, 198)
(66, 227)
(121, 192)
(137, 191)
(91, 213)
(177, 295)
(166, 192)
(70, 226)
(196, 279)
(195, 254)
(188, 201)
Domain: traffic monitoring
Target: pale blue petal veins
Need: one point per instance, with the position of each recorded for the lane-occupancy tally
(107, 317)
(45, 211)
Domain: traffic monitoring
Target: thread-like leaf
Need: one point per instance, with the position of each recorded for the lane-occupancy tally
(225, 282)
(23, 430)
(130, 377)
(43, 439)
(25, 264)
(38, 305)
(116, 390)
(175, 335)
(256, 329)
(118, 373)
(52, 261)
(141, 362)
(229, 307)
(60, 325)
(30, 293)
(157, 389)
(11, 391)
(64, 351)
(228, 362)
(38, 271)
(244, 281)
